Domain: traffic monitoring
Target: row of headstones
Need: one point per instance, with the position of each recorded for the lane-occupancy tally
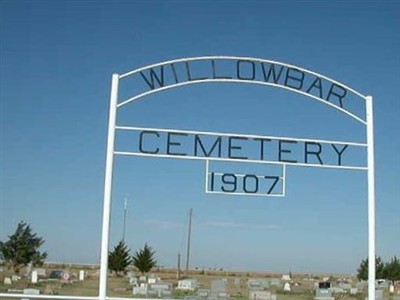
(35, 277)
(163, 289)
(160, 289)
(218, 289)
(325, 291)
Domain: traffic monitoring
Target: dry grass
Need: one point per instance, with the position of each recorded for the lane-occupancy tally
(119, 286)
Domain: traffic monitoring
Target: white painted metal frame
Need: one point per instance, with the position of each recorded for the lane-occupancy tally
(114, 105)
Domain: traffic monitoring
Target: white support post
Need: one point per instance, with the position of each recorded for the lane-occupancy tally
(371, 200)
(108, 188)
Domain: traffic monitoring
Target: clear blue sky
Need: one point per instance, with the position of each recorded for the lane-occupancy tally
(57, 58)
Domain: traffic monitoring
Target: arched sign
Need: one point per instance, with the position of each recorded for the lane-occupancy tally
(212, 147)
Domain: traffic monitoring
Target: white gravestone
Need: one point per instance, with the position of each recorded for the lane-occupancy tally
(353, 291)
(7, 281)
(286, 277)
(286, 287)
(81, 275)
(34, 277)
(31, 292)
(259, 295)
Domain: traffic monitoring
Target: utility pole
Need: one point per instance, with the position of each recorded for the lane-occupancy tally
(188, 242)
(123, 228)
(178, 275)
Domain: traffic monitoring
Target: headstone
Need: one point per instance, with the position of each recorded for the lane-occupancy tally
(7, 281)
(259, 295)
(41, 272)
(324, 285)
(34, 277)
(140, 290)
(276, 282)
(152, 280)
(237, 282)
(218, 288)
(353, 291)
(382, 284)
(133, 281)
(130, 274)
(65, 276)
(258, 284)
(323, 294)
(378, 295)
(203, 293)
(286, 287)
(81, 275)
(15, 278)
(187, 284)
(31, 292)
(55, 275)
(161, 289)
(286, 277)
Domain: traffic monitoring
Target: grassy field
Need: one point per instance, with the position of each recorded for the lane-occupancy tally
(119, 286)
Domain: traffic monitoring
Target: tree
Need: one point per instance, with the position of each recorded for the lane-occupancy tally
(392, 269)
(362, 271)
(119, 259)
(144, 260)
(22, 248)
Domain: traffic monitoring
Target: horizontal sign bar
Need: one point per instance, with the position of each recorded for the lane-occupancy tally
(238, 147)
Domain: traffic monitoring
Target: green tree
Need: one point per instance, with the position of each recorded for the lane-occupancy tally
(392, 269)
(362, 271)
(22, 248)
(119, 259)
(144, 260)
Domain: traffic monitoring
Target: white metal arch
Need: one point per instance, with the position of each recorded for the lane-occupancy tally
(110, 159)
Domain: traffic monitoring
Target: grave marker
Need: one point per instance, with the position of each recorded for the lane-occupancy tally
(34, 276)
(81, 275)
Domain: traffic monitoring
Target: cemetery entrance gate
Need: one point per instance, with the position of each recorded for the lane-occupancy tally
(180, 72)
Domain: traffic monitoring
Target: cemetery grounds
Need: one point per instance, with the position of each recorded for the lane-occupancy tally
(120, 287)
